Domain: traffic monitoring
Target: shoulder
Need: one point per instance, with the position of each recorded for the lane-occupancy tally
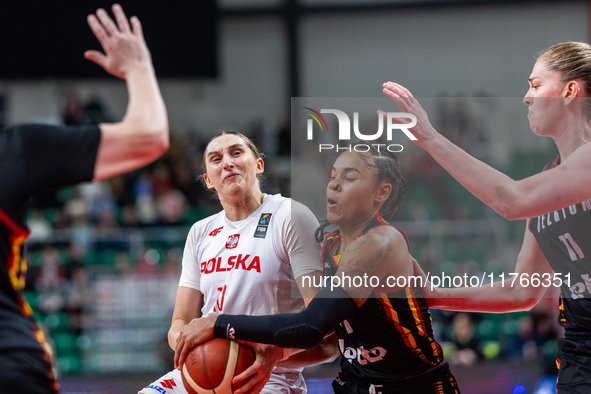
(199, 228)
(290, 211)
(385, 237)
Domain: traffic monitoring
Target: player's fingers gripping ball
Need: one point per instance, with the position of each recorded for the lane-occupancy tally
(210, 367)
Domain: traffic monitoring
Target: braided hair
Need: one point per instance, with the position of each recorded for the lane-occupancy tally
(387, 169)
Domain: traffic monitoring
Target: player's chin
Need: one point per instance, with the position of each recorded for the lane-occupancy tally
(333, 217)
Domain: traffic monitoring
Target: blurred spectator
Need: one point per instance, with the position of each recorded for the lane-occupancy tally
(79, 299)
(144, 201)
(94, 111)
(123, 266)
(50, 280)
(40, 228)
(129, 217)
(172, 207)
(172, 265)
(72, 113)
(146, 267)
(464, 337)
(77, 209)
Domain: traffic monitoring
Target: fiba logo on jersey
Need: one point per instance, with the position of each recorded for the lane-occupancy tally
(345, 129)
(232, 241)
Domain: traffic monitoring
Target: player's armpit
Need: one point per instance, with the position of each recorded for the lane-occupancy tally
(551, 190)
(500, 297)
(306, 285)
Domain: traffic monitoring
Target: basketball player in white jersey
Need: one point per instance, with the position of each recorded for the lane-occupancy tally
(242, 261)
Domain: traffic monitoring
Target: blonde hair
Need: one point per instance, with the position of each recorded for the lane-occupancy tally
(572, 60)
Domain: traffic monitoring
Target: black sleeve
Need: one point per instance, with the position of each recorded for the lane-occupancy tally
(58, 156)
(291, 330)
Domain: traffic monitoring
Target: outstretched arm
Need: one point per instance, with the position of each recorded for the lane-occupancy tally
(568, 184)
(142, 135)
(381, 252)
(500, 297)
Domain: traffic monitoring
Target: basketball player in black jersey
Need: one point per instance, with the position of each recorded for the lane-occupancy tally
(385, 335)
(558, 236)
(38, 157)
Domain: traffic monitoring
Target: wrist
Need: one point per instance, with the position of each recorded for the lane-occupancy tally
(429, 140)
(140, 70)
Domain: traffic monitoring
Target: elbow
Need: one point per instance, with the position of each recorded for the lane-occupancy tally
(509, 209)
(530, 303)
(511, 202)
(163, 141)
(524, 304)
(301, 337)
(157, 140)
(151, 133)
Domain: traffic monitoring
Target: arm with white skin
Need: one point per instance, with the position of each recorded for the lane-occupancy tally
(548, 191)
(499, 297)
(142, 135)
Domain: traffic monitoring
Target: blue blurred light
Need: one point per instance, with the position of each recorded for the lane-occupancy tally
(519, 389)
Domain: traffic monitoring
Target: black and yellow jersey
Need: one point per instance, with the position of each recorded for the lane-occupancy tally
(390, 336)
(564, 236)
(33, 158)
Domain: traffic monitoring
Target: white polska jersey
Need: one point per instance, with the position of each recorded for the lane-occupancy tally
(246, 268)
(240, 267)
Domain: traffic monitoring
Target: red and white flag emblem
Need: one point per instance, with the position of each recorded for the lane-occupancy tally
(232, 241)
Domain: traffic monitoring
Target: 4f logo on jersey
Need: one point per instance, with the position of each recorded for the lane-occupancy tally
(263, 226)
(232, 241)
(216, 231)
(168, 383)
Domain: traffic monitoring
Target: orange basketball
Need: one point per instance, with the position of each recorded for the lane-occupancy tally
(210, 367)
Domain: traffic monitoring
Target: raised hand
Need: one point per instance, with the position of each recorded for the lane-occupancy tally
(423, 130)
(124, 46)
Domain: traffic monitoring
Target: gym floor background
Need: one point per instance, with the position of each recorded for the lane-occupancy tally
(105, 258)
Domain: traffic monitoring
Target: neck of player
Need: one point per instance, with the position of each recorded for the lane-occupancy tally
(350, 231)
(576, 133)
(240, 207)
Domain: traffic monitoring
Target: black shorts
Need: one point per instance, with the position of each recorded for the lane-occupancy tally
(25, 372)
(574, 363)
(438, 382)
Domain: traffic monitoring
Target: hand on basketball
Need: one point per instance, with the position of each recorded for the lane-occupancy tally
(124, 47)
(196, 332)
(407, 103)
(257, 375)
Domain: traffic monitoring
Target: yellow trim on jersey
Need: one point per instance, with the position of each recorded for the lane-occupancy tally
(415, 312)
(407, 336)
